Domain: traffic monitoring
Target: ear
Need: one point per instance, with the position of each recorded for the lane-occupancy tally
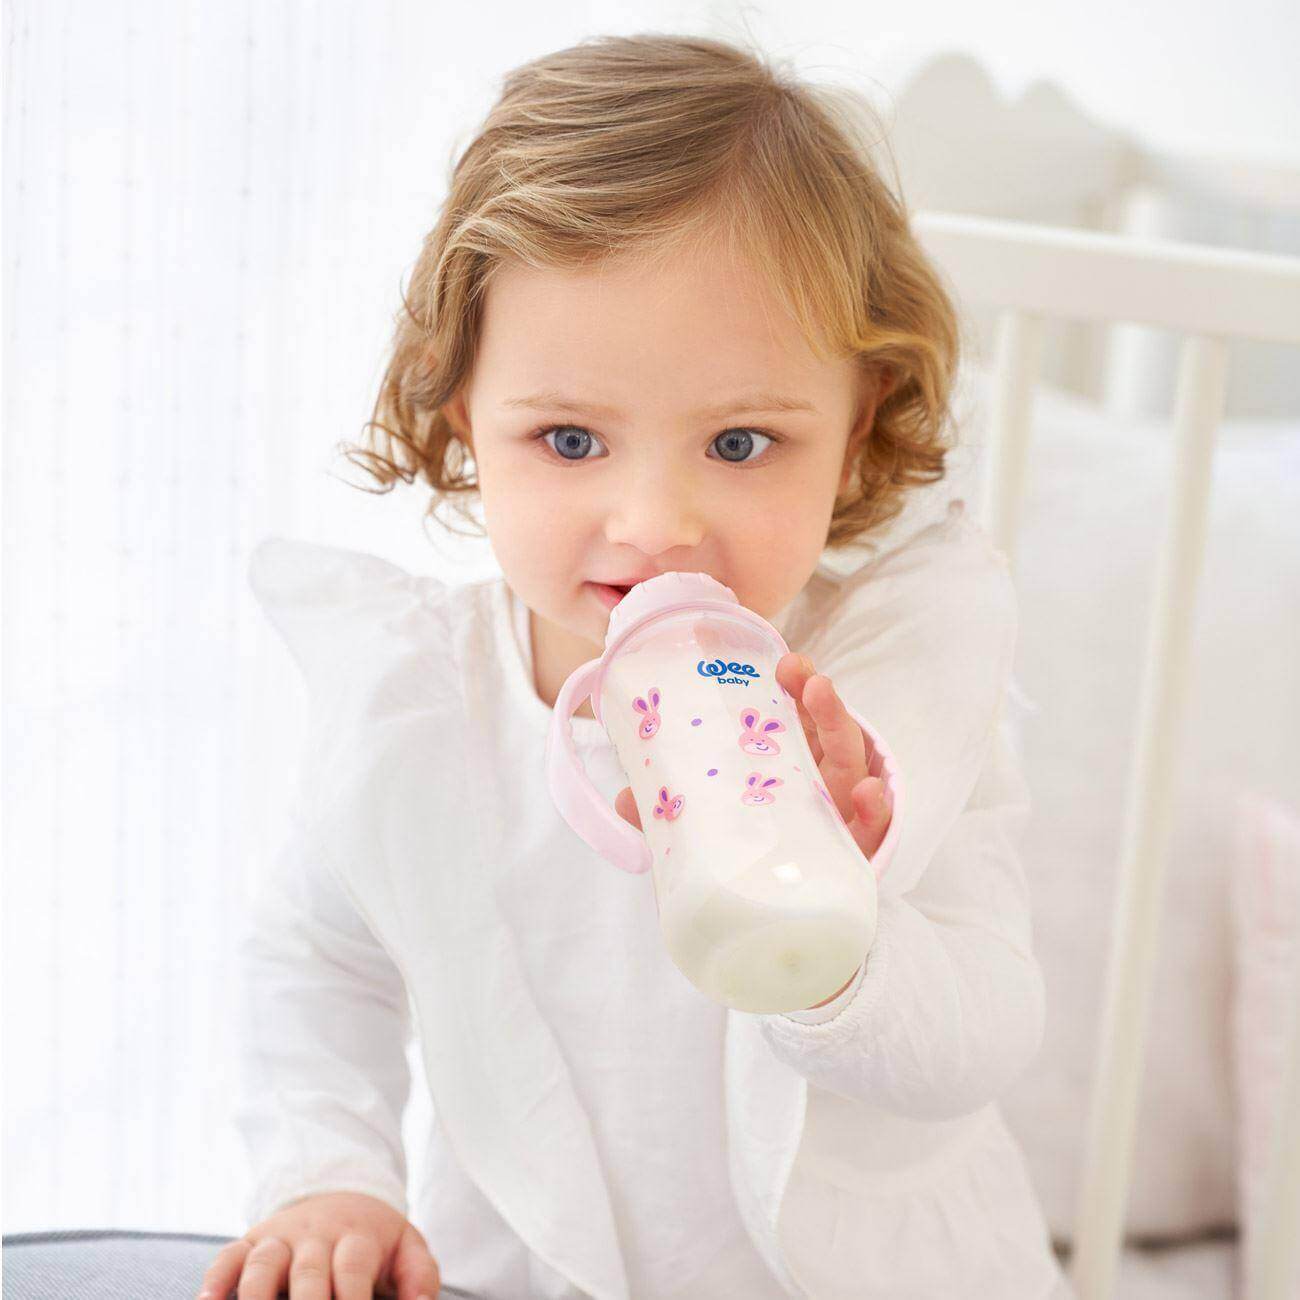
(877, 389)
(457, 412)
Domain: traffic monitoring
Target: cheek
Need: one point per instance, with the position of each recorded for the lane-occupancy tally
(532, 537)
(787, 520)
(521, 528)
(773, 551)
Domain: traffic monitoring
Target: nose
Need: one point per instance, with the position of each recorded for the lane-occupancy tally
(655, 512)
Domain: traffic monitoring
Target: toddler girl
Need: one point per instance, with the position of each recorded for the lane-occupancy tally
(674, 320)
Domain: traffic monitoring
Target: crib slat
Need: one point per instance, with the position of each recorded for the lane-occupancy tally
(1117, 1077)
(1019, 351)
(1090, 275)
(1272, 1274)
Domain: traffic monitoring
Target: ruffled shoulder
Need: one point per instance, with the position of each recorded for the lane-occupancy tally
(921, 642)
(338, 610)
(947, 581)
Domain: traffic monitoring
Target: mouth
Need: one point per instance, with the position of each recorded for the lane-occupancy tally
(611, 593)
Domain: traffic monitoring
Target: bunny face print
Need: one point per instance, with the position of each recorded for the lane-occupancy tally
(651, 721)
(758, 737)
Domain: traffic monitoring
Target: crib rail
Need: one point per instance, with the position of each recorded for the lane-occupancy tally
(1209, 297)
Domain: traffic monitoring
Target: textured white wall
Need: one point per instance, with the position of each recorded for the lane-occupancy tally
(1210, 77)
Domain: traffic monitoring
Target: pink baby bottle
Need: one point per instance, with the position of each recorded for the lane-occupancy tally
(765, 901)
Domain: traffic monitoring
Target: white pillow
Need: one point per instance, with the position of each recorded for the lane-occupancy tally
(1265, 893)
(1085, 562)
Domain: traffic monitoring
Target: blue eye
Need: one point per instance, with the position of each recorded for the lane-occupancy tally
(572, 442)
(740, 442)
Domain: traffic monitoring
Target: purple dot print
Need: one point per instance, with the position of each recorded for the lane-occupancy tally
(713, 771)
(695, 722)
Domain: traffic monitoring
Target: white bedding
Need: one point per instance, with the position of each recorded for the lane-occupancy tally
(1091, 528)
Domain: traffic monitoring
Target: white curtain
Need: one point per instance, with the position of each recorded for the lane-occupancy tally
(208, 212)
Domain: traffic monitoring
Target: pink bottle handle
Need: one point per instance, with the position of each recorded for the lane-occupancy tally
(580, 803)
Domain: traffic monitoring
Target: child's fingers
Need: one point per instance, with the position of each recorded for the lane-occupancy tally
(415, 1269)
(843, 745)
(844, 761)
(266, 1269)
(625, 806)
(223, 1273)
(350, 1269)
(872, 815)
(793, 672)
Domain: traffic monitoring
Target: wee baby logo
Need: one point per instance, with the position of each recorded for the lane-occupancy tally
(719, 669)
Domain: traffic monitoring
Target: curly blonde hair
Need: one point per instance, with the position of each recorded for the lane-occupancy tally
(630, 145)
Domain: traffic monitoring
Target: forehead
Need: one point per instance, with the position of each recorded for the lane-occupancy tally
(687, 317)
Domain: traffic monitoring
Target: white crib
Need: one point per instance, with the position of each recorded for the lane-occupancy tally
(1095, 307)
(1029, 273)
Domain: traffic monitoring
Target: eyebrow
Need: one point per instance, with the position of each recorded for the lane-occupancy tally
(548, 399)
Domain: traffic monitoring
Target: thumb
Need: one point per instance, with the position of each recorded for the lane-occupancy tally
(871, 814)
(625, 806)
(415, 1271)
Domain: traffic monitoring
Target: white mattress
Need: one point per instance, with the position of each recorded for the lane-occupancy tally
(1204, 1268)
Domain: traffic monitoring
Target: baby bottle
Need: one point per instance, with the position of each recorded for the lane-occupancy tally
(765, 900)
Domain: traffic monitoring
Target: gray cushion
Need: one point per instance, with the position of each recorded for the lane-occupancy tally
(94, 1265)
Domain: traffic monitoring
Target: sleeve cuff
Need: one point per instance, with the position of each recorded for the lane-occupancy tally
(817, 1015)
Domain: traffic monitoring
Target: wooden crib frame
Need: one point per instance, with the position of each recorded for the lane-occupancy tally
(1208, 296)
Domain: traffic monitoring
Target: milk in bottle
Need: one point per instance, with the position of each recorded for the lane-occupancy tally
(766, 903)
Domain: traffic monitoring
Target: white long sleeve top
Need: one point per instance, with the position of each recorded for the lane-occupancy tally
(601, 1128)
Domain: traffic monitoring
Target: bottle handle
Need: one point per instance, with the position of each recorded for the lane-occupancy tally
(579, 802)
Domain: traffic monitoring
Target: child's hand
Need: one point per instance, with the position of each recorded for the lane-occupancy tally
(840, 751)
(838, 747)
(335, 1243)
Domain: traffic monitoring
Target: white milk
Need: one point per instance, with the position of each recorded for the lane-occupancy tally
(766, 902)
